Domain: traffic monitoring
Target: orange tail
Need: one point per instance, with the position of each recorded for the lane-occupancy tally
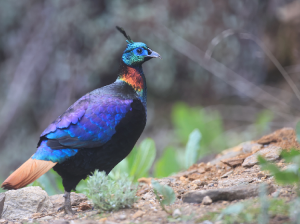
(31, 170)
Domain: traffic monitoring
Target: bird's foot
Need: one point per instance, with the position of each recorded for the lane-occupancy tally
(68, 210)
(67, 207)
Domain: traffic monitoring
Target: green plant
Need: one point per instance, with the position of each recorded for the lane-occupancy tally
(108, 194)
(186, 119)
(167, 164)
(192, 148)
(291, 175)
(167, 193)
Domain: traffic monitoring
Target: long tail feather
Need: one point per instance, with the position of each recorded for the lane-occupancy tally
(31, 170)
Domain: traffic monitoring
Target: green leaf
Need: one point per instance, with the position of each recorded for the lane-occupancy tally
(265, 165)
(167, 192)
(167, 164)
(289, 156)
(119, 170)
(144, 159)
(286, 177)
(283, 177)
(186, 119)
(192, 147)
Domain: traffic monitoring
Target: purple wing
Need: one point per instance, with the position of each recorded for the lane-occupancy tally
(88, 123)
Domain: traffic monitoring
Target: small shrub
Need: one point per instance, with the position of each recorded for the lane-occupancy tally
(108, 194)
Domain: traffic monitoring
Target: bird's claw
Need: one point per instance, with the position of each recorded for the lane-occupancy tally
(68, 210)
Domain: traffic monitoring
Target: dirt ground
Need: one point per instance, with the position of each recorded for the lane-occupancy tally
(233, 167)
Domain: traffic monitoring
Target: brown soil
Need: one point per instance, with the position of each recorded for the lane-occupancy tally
(224, 171)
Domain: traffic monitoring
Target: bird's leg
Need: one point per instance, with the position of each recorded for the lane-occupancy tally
(67, 206)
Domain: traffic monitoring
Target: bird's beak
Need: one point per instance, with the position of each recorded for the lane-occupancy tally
(153, 54)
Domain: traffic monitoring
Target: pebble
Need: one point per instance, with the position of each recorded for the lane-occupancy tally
(122, 217)
(176, 213)
(226, 174)
(207, 200)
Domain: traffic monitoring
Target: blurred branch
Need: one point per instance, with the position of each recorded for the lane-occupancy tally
(248, 36)
(227, 75)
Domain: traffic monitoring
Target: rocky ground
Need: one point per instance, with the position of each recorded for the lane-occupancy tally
(232, 176)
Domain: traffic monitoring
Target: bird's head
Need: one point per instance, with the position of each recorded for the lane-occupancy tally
(136, 53)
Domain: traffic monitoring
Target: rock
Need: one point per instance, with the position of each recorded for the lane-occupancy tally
(206, 200)
(227, 174)
(2, 200)
(249, 147)
(22, 203)
(270, 153)
(226, 194)
(235, 181)
(176, 213)
(58, 200)
(122, 217)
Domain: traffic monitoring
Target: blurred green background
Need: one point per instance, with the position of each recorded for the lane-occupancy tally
(53, 52)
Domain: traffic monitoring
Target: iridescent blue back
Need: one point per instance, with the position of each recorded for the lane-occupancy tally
(89, 123)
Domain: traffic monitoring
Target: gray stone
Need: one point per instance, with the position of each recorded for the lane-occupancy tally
(249, 147)
(122, 217)
(2, 200)
(176, 213)
(206, 200)
(226, 194)
(58, 200)
(22, 203)
(270, 153)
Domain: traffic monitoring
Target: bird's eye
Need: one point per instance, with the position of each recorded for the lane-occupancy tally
(139, 50)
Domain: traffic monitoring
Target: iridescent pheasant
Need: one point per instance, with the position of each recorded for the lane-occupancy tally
(96, 132)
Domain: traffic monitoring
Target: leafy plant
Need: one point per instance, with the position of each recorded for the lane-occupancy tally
(167, 164)
(186, 119)
(167, 193)
(291, 175)
(192, 148)
(108, 194)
